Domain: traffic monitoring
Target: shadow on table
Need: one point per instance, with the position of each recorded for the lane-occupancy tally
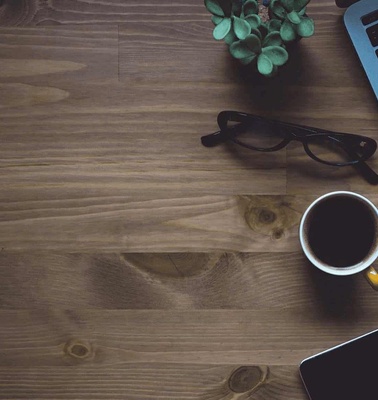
(275, 93)
(337, 296)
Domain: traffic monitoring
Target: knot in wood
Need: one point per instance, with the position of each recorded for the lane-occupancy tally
(77, 349)
(246, 379)
(271, 215)
(278, 233)
(13, 13)
(266, 216)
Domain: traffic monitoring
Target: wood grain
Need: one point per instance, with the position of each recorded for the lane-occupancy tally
(18, 12)
(179, 281)
(116, 338)
(141, 382)
(53, 12)
(134, 262)
(48, 55)
(124, 224)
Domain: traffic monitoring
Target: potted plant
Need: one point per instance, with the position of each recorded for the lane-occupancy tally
(260, 34)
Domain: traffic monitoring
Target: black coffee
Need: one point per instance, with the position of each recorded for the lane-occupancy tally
(341, 231)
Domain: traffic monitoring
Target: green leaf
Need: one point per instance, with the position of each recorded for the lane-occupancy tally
(214, 7)
(274, 25)
(264, 65)
(287, 32)
(216, 20)
(306, 27)
(253, 42)
(263, 28)
(288, 4)
(240, 50)
(257, 33)
(278, 10)
(248, 60)
(254, 21)
(230, 37)
(273, 3)
(302, 12)
(222, 29)
(272, 39)
(300, 4)
(236, 8)
(294, 17)
(250, 7)
(276, 54)
(226, 6)
(274, 72)
(241, 28)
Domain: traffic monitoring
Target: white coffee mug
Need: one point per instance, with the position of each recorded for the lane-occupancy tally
(339, 235)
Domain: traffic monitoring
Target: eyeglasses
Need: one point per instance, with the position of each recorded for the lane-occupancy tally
(327, 147)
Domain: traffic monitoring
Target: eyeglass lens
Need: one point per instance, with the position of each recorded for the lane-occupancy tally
(329, 150)
(262, 134)
(259, 134)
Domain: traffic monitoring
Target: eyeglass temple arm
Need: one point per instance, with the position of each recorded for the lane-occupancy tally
(364, 169)
(303, 130)
(370, 175)
(221, 136)
(215, 138)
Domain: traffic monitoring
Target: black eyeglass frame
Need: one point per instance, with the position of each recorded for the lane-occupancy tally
(291, 132)
(347, 141)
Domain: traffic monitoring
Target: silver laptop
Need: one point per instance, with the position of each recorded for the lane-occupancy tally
(361, 22)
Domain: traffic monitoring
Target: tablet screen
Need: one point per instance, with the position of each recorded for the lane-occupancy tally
(346, 372)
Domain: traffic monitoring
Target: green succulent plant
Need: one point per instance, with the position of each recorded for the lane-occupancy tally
(295, 22)
(257, 42)
(233, 20)
(267, 53)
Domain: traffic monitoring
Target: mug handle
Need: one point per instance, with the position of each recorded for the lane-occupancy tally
(371, 275)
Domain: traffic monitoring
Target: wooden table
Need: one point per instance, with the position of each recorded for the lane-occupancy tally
(135, 263)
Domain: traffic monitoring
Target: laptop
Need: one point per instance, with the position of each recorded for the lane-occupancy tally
(361, 22)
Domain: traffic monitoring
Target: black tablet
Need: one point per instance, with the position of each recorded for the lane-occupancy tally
(348, 371)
